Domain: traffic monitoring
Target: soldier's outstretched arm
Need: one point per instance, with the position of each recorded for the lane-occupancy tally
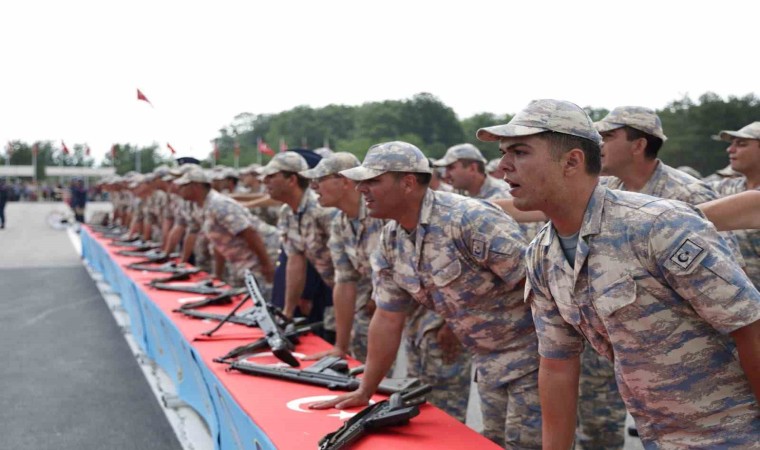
(295, 280)
(256, 244)
(736, 212)
(508, 205)
(383, 341)
(344, 305)
(558, 390)
(747, 340)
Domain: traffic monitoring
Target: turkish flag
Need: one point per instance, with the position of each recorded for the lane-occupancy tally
(237, 148)
(171, 149)
(216, 151)
(113, 151)
(65, 149)
(141, 96)
(265, 149)
(87, 150)
(35, 149)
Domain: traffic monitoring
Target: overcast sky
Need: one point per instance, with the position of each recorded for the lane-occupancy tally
(70, 69)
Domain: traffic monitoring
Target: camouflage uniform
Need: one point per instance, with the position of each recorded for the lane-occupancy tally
(464, 261)
(749, 240)
(224, 220)
(655, 290)
(306, 231)
(351, 242)
(156, 209)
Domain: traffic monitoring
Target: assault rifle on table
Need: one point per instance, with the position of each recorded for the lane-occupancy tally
(175, 276)
(204, 287)
(224, 298)
(397, 410)
(262, 313)
(331, 372)
(291, 333)
(169, 267)
(137, 245)
(154, 256)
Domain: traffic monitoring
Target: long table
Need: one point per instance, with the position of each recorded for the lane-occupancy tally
(243, 411)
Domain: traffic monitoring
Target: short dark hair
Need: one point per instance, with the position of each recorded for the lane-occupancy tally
(302, 182)
(480, 164)
(653, 142)
(423, 179)
(561, 143)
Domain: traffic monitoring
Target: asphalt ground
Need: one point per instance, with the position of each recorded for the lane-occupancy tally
(69, 380)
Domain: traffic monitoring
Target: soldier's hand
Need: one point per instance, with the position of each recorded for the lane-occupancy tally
(449, 344)
(355, 398)
(335, 351)
(304, 305)
(268, 272)
(371, 307)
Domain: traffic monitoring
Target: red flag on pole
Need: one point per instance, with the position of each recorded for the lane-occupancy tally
(35, 149)
(87, 150)
(113, 152)
(264, 148)
(65, 149)
(216, 151)
(283, 145)
(237, 149)
(141, 96)
(171, 149)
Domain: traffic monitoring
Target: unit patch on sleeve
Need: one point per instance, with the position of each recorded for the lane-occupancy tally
(686, 254)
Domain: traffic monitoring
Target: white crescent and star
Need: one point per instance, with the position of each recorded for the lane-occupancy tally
(295, 405)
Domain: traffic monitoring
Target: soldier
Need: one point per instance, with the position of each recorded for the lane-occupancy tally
(353, 237)
(462, 258)
(492, 169)
(466, 168)
(744, 154)
(648, 282)
(632, 137)
(304, 228)
(237, 237)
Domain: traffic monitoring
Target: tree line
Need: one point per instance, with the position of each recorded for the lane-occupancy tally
(424, 121)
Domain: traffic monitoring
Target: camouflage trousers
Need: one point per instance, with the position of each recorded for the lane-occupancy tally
(601, 411)
(450, 381)
(359, 333)
(512, 412)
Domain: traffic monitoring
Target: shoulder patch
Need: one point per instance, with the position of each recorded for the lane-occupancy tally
(479, 246)
(686, 254)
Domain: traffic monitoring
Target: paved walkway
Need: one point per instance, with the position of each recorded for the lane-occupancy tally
(69, 380)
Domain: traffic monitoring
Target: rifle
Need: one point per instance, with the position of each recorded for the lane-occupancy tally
(221, 299)
(175, 276)
(291, 333)
(331, 372)
(169, 267)
(397, 410)
(205, 287)
(150, 254)
(246, 318)
(138, 245)
(280, 345)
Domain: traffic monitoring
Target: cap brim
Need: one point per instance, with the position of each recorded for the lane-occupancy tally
(495, 133)
(726, 135)
(269, 170)
(181, 181)
(443, 162)
(603, 126)
(316, 172)
(361, 173)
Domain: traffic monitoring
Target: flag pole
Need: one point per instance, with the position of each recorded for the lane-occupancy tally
(258, 150)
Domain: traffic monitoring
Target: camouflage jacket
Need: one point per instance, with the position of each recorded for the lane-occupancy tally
(654, 289)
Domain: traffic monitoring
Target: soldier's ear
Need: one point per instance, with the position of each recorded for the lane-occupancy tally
(573, 161)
